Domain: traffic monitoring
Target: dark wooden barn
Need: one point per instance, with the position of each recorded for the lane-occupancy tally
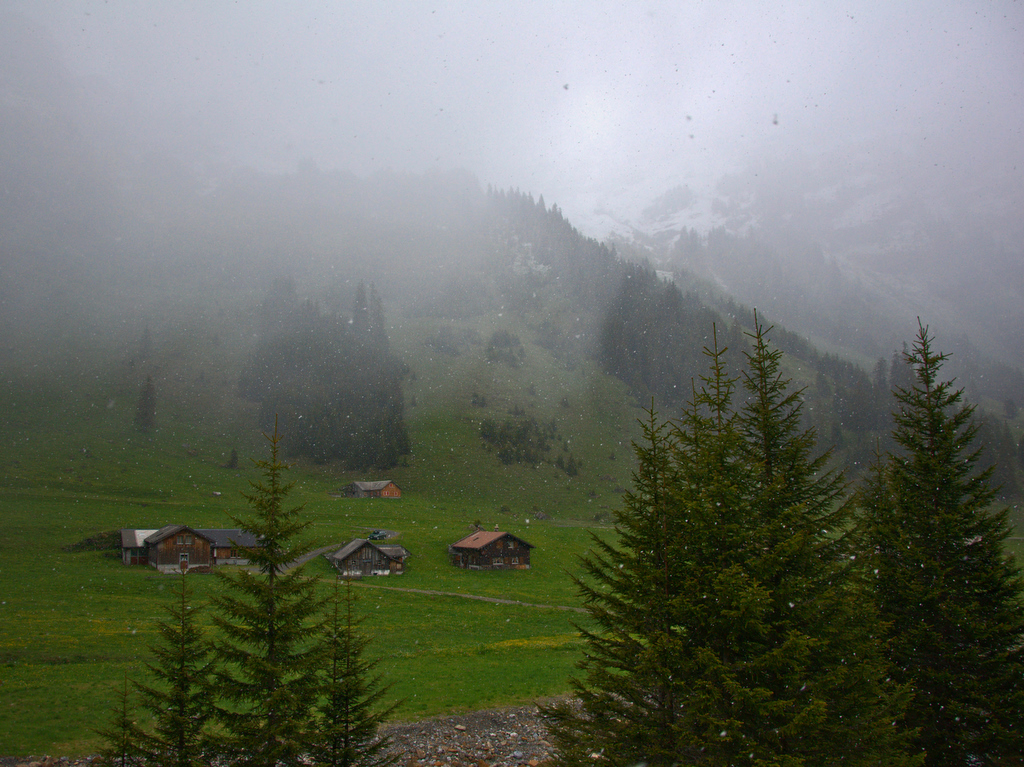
(383, 488)
(173, 545)
(227, 546)
(362, 557)
(178, 547)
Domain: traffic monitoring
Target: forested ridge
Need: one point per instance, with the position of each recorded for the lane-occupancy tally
(330, 383)
(435, 247)
(652, 335)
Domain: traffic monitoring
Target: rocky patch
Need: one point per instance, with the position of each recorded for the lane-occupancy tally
(507, 737)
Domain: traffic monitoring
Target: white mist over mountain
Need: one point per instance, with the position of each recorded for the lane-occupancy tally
(597, 107)
(886, 138)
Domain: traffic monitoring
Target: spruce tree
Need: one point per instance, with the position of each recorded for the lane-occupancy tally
(727, 629)
(625, 701)
(377, 332)
(950, 593)
(122, 737)
(802, 551)
(351, 708)
(145, 409)
(268, 620)
(657, 686)
(717, 645)
(361, 313)
(180, 702)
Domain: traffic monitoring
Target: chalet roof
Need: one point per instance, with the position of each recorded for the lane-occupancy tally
(134, 539)
(348, 549)
(227, 538)
(168, 530)
(481, 538)
(375, 485)
(391, 551)
(138, 538)
(394, 551)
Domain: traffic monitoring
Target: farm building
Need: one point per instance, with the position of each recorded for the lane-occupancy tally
(173, 546)
(383, 488)
(226, 546)
(493, 550)
(362, 557)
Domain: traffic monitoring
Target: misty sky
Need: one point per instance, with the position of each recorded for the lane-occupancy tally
(575, 101)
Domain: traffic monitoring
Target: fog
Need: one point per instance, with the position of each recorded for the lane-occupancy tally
(604, 105)
(873, 150)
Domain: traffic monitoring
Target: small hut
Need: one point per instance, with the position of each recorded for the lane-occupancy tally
(383, 488)
(362, 557)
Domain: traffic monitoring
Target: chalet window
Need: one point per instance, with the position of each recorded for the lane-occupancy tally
(515, 560)
(511, 544)
(498, 561)
(184, 540)
(367, 553)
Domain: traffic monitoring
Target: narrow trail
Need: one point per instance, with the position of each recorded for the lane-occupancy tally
(496, 600)
(313, 554)
(430, 592)
(301, 560)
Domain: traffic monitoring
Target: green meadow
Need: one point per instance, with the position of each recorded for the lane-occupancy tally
(74, 620)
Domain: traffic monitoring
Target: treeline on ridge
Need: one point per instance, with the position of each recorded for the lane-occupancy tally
(445, 248)
(652, 336)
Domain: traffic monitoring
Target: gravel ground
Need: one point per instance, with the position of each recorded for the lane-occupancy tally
(506, 737)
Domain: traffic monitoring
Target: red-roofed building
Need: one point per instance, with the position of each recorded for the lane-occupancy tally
(383, 488)
(490, 550)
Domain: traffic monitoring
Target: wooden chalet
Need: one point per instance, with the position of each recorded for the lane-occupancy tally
(362, 557)
(175, 546)
(490, 550)
(383, 488)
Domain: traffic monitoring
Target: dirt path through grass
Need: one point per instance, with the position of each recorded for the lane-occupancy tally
(431, 592)
(496, 600)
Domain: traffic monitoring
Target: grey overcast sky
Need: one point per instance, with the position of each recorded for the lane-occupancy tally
(573, 100)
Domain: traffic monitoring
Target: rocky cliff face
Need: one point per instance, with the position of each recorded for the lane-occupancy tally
(866, 240)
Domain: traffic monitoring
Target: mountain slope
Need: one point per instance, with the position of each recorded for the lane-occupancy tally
(851, 246)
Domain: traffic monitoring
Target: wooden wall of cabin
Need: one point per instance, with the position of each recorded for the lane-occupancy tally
(167, 553)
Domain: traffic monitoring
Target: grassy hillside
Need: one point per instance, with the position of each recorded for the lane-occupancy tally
(79, 288)
(73, 466)
(594, 414)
